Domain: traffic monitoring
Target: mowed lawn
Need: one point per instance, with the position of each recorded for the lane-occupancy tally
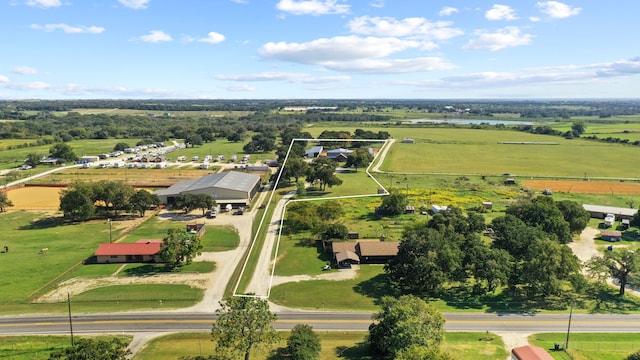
(24, 269)
(216, 238)
(359, 293)
(350, 345)
(589, 346)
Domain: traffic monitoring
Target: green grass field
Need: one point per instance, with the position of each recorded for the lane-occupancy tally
(24, 268)
(336, 345)
(589, 346)
(38, 347)
(359, 293)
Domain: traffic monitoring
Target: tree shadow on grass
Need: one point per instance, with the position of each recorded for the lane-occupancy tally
(47, 222)
(360, 351)
(607, 300)
(465, 298)
(149, 269)
(375, 288)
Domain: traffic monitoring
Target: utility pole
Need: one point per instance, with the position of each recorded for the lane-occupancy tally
(110, 232)
(70, 322)
(566, 343)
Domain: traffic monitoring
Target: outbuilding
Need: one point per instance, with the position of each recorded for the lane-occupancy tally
(530, 352)
(611, 235)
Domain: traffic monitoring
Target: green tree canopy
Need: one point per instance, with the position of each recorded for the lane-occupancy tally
(394, 204)
(244, 324)
(179, 247)
(121, 146)
(142, 200)
(4, 201)
(620, 264)
(63, 152)
(359, 159)
(405, 322)
(303, 344)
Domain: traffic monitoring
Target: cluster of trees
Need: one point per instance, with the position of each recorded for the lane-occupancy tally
(94, 349)
(320, 171)
(245, 323)
(84, 200)
(189, 202)
(320, 218)
(527, 252)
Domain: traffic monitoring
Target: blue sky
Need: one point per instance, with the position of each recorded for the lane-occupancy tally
(297, 49)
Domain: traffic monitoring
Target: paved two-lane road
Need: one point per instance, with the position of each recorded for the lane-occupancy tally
(197, 322)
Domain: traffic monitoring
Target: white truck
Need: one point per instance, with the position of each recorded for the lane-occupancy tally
(609, 220)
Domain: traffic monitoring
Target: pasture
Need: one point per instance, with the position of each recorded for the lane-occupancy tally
(348, 345)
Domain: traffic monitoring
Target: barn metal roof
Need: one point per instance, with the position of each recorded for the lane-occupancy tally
(230, 180)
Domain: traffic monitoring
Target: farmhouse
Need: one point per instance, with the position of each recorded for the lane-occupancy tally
(231, 187)
(347, 253)
(338, 154)
(599, 212)
(144, 250)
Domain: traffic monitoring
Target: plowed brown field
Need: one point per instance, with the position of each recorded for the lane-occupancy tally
(589, 187)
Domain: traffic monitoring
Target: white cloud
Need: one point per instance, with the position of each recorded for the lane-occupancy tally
(500, 12)
(283, 76)
(534, 19)
(447, 11)
(212, 38)
(377, 3)
(135, 4)
(238, 87)
(37, 85)
(557, 10)
(390, 66)
(502, 38)
(79, 29)
(44, 3)
(312, 7)
(3, 79)
(240, 1)
(341, 48)
(24, 70)
(409, 27)
(156, 36)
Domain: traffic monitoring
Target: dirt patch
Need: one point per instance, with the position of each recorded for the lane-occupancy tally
(587, 187)
(35, 198)
(79, 285)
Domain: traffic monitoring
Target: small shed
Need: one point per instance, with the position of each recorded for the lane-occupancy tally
(510, 181)
(487, 205)
(611, 235)
(408, 141)
(409, 209)
(530, 352)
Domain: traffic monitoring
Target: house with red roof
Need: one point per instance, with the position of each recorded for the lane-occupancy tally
(144, 250)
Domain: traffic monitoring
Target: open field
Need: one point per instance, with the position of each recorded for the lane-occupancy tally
(587, 346)
(349, 345)
(38, 347)
(35, 198)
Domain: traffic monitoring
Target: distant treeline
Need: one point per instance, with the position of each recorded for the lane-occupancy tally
(42, 119)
